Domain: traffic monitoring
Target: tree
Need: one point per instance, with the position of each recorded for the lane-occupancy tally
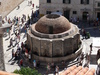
(27, 71)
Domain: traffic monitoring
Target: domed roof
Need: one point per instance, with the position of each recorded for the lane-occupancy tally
(52, 24)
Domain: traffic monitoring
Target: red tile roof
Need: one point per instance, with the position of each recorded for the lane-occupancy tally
(74, 70)
(6, 73)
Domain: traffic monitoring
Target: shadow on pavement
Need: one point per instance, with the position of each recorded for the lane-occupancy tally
(8, 49)
(13, 63)
(7, 38)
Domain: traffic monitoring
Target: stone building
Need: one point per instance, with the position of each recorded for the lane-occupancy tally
(54, 38)
(97, 8)
(69, 8)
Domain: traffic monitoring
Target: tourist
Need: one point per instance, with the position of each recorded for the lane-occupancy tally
(16, 56)
(81, 59)
(9, 21)
(18, 7)
(53, 65)
(98, 54)
(22, 45)
(48, 68)
(13, 54)
(10, 42)
(33, 5)
(16, 40)
(84, 33)
(21, 62)
(90, 48)
(23, 50)
(3, 21)
(63, 63)
(14, 29)
(26, 52)
(57, 70)
(98, 69)
(31, 2)
(8, 31)
(19, 29)
(29, 57)
(71, 19)
(38, 63)
(87, 60)
(34, 63)
(22, 20)
(78, 20)
(18, 48)
(6, 18)
(18, 37)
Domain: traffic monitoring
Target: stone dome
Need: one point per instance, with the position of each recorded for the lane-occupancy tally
(52, 24)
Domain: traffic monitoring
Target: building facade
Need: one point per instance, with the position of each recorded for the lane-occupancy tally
(69, 8)
(97, 8)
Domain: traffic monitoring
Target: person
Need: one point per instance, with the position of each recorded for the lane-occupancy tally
(34, 63)
(33, 5)
(16, 55)
(48, 68)
(63, 62)
(57, 70)
(84, 33)
(29, 57)
(53, 65)
(38, 63)
(31, 2)
(21, 62)
(18, 7)
(81, 59)
(10, 43)
(13, 53)
(14, 29)
(98, 54)
(22, 44)
(98, 69)
(90, 48)
(18, 36)
(26, 53)
(87, 60)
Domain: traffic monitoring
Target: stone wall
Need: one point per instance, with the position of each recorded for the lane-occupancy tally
(2, 66)
(58, 59)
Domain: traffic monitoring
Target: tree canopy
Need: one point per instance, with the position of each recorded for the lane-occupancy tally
(27, 71)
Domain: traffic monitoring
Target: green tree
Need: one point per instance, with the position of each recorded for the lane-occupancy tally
(27, 71)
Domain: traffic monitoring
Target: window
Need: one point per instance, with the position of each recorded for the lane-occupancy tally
(48, 1)
(48, 12)
(74, 12)
(98, 4)
(67, 1)
(84, 1)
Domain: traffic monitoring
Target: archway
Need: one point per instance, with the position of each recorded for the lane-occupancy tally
(84, 15)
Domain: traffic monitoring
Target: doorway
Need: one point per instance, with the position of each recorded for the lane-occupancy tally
(66, 14)
(84, 16)
(98, 15)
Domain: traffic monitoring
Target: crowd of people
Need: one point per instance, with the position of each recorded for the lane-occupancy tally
(19, 25)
